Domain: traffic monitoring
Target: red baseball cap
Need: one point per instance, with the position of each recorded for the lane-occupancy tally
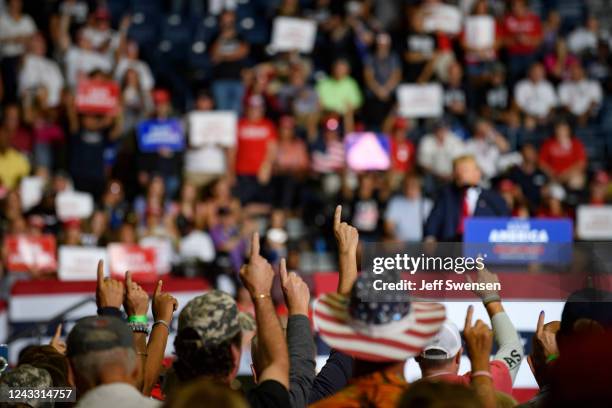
(160, 96)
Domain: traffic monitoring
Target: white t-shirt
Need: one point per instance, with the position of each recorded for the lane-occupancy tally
(10, 28)
(116, 395)
(208, 159)
(439, 156)
(535, 99)
(487, 155)
(79, 61)
(142, 68)
(578, 96)
(39, 71)
(408, 217)
(581, 40)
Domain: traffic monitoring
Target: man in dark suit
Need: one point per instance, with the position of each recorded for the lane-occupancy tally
(462, 199)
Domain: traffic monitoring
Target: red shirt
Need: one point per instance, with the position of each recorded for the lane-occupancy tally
(253, 139)
(402, 155)
(527, 25)
(498, 369)
(560, 158)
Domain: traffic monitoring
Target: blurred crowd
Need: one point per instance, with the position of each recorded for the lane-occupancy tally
(532, 111)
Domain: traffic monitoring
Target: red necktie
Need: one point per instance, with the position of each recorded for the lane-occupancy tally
(465, 212)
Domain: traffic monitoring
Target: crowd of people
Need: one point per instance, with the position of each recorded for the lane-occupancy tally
(525, 133)
(115, 358)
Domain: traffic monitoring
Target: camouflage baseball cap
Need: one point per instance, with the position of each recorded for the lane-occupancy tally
(27, 376)
(215, 317)
(98, 333)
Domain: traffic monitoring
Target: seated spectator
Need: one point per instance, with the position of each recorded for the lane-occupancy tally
(494, 98)
(367, 208)
(535, 96)
(299, 97)
(38, 71)
(598, 190)
(252, 158)
(583, 40)
(437, 151)
(13, 165)
(551, 28)
(456, 96)
(402, 150)
(137, 101)
(487, 145)
(382, 73)
(19, 137)
(528, 176)
(522, 38)
(559, 62)
(440, 360)
(406, 214)
(339, 93)
(16, 29)
(563, 158)
(228, 53)
(329, 156)
(210, 331)
(553, 203)
(461, 199)
(580, 96)
(130, 60)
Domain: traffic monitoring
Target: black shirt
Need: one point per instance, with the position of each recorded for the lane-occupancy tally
(87, 154)
(421, 43)
(530, 183)
(268, 394)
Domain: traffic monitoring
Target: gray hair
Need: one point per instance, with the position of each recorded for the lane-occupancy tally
(90, 365)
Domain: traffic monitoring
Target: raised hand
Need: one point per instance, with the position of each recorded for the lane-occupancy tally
(485, 276)
(257, 275)
(479, 341)
(545, 341)
(109, 292)
(164, 304)
(136, 301)
(56, 342)
(297, 293)
(347, 236)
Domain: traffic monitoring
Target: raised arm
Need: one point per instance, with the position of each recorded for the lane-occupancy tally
(258, 276)
(347, 238)
(136, 305)
(479, 340)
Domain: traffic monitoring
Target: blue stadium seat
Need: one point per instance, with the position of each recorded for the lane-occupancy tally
(175, 37)
(254, 30)
(144, 30)
(205, 29)
(594, 144)
(146, 6)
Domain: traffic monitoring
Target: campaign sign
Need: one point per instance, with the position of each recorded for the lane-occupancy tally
(71, 205)
(27, 253)
(218, 127)
(293, 34)
(140, 261)
(519, 241)
(367, 151)
(154, 135)
(420, 101)
(97, 97)
(594, 222)
(480, 32)
(77, 263)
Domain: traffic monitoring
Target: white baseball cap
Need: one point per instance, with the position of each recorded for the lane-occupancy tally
(446, 343)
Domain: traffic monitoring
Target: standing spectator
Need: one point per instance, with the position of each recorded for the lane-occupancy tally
(535, 96)
(479, 61)
(367, 209)
(406, 213)
(563, 157)
(580, 96)
(17, 135)
(252, 159)
(137, 102)
(131, 60)
(559, 62)
(494, 98)
(456, 96)
(228, 54)
(583, 40)
(99, 33)
(420, 51)
(39, 71)
(438, 150)
(16, 29)
(301, 98)
(528, 176)
(382, 74)
(13, 165)
(487, 145)
(339, 93)
(402, 151)
(290, 166)
(522, 37)
(462, 198)
(81, 59)
(329, 156)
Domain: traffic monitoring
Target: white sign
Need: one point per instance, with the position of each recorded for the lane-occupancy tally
(594, 222)
(31, 191)
(77, 263)
(442, 17)
(420, 101)
(73, 205)
(218, 127)
(293, 34)
(480, 32)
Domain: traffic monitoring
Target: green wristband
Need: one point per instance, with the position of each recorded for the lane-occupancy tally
(138, 319)
(551, 358)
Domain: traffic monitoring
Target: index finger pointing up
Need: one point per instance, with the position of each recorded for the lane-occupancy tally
(468, 318)
(337, 216)
(128, 280)
(100, 271)
(255, 244)
(540, 327)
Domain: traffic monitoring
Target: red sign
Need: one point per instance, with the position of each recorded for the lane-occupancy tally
(28, 253)
(139, 260)
(97, 97)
